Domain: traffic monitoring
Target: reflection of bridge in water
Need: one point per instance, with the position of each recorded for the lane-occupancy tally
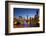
(30, 25)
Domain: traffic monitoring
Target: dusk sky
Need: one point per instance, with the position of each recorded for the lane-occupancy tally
(24, 12)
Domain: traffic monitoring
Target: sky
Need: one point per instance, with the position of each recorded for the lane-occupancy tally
(31, 12)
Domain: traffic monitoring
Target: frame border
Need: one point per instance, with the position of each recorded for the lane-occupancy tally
(6, 17)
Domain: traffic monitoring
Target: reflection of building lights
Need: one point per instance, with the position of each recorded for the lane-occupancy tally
(15, 22)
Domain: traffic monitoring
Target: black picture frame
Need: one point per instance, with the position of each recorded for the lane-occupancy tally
(6, 18)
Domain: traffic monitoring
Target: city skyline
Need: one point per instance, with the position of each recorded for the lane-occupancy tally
(24, 12)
